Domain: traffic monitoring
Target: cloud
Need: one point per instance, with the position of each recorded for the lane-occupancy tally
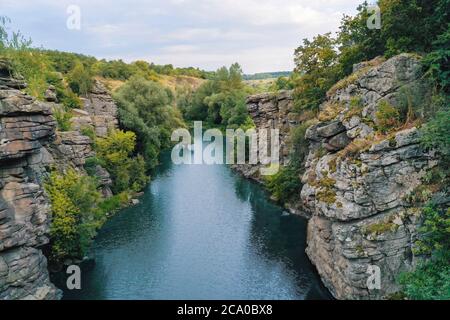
(260, 34)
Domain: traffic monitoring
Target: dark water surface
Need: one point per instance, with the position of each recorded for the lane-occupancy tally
(201, 232)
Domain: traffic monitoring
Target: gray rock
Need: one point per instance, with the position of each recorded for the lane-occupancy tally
(365, 189)
(331, 130)
(26, 129)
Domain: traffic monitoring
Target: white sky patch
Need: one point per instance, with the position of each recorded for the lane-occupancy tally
(259, 34)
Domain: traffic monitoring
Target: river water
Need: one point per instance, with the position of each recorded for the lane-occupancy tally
(201, 232)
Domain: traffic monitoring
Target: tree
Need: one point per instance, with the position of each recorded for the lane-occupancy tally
(116, 153)
(356, 41)
(316, 64)
(221, 100)
(145, 108)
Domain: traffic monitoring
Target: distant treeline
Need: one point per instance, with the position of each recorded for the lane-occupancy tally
(267, 75)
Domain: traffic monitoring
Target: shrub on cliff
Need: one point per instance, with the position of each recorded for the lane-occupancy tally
(115, 153)
(431, 279)
(436, 133)
(286, 184)
(316, 64)
(75, 214)
(80, 79)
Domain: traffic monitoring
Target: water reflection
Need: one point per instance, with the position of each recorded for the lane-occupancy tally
(201, 232)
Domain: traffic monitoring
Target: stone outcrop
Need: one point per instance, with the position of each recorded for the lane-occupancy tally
(271, 111)
(26, 128)
(356, 182)
(100, 108)
(357, 178)
(29, 147)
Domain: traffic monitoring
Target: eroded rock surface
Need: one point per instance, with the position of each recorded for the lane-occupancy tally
(100, 108)
(26, 128)
(271, 111)
(356, 183)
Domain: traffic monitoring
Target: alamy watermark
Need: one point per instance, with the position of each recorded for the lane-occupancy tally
(73, 281)
(374, 279)
(237, 147)
(73, 21)
(374, 20)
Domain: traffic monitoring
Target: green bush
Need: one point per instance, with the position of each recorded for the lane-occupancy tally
(80, 79)
(436, 133)
(62, 118)
(75, 214)
(388, 117)
(115, 153)
(431, 279)
(286, 184)
(437, 63)
(145, 108)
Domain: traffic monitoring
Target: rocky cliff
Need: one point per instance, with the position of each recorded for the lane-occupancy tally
(357, 175)
(30, 146)
(357, 179)
(26, 128)
(271, 111)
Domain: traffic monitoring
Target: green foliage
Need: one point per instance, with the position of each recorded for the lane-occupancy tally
(80, 79)
(388, 117)
(356, 41)
(435, 232)
(145, 108)
(431, 279)
(62, 118)
(436, 133)
(398, 15)
(437, 63)
(75, 214)
(286, 184)
(115, 153)
(221, 100)
(282, 83)
(316, 64)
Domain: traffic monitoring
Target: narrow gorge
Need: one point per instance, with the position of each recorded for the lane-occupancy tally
(356, 181)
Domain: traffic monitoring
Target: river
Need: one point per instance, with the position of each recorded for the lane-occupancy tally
(201, 232)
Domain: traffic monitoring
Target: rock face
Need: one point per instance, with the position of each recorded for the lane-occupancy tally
(271, 111)
(26, 128)
(356, 178)
(101, 110)
(356, 182)
(29, 147)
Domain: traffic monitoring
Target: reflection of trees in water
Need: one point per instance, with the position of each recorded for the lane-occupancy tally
(165, 165)
(276, 235)
(279, 238)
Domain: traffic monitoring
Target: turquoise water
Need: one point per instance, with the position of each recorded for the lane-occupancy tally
(201, 232)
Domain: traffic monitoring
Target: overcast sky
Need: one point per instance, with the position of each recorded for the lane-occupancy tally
(259, 34)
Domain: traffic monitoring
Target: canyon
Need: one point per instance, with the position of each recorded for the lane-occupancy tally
(355, 180)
